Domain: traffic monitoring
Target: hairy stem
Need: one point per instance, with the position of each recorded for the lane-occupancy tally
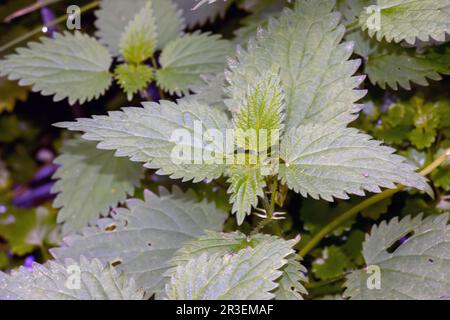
(269, 207)
(365, 204)
(33, 32)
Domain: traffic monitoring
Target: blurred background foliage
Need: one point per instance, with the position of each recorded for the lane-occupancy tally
(415, 122)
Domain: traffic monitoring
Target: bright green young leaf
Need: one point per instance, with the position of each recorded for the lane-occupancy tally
(53, 281)
(246, 185)
(152, 135)
(411, 259)
(185, 59)
(290, 283)
(407, 20)
(262, 108)
(330, 162)
(91, 181)
(133, 78)
(114, 16)
(138, 42)
(247, 275)
(142, 239)
(316, 75)
(73, 66)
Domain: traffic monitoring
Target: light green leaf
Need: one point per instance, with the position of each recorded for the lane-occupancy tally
(114, 16)
(133, 78)
(262, 107)
(247, 275)
(246, 185)
(408, 20)
(184, 60)
(148, 135)
(212, 243)
(413, 260)
(316, 75)
(396, 66)
(142, 239)
(91, 182)
(73, 66)
(138, 42)
(53, 281)
(330, 162)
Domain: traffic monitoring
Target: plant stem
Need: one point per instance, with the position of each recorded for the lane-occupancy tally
(29, 9)
(269, 207)
(35, 31)
(365, 204)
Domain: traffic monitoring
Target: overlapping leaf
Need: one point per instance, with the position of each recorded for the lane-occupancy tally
(185, 59)
(315, 72)
(388, 65)
(91, 182)
(413, 259)
(248, 274)
(73, 66)
(114, 16)
(212, 243)
(328, 162)
(138, 42)
(147, 135)
(246, 186)
(142, 239)
(133, 78)
(53, 281)
(407, 20)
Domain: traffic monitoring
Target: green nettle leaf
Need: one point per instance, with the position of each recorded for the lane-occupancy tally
(262, 106)
(407, 20)
(332, 264)
(141, 239)
(133, 78)
(73, 66)
(185, 59)
(330, 162)
(410, 259)
(91, 182)
(394, 66)
(139, 39)
(147, 135)
(114, 16)
(52, 281)
(246, 185)
(249, 274)
(316, 75)
(212, 243)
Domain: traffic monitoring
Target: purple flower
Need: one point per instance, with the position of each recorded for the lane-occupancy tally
(28, 263)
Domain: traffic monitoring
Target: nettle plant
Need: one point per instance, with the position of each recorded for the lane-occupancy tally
(296, 79)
